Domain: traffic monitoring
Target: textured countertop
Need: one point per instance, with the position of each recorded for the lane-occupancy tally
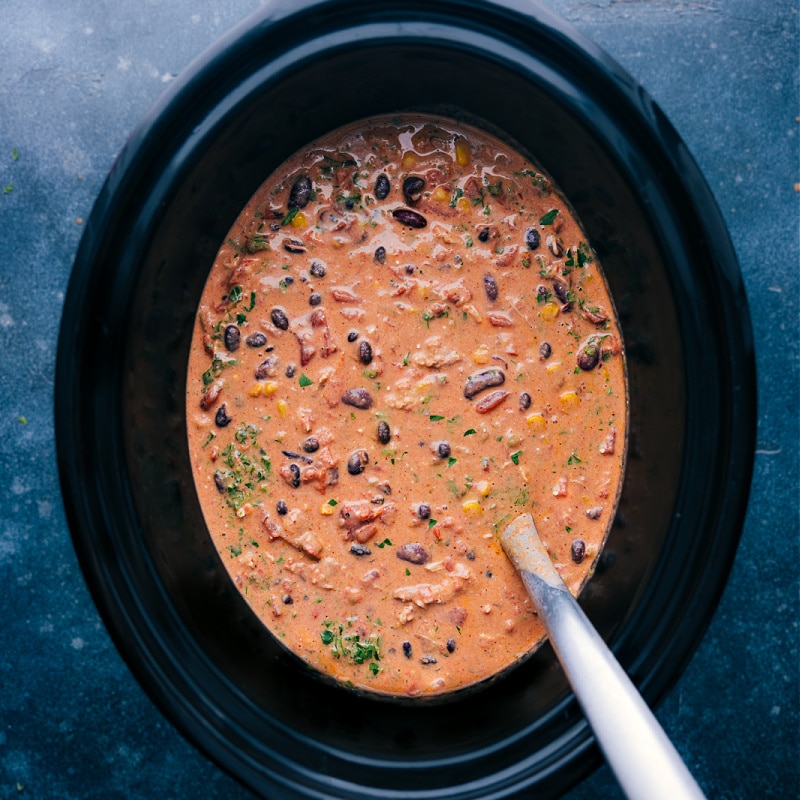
(75, 78)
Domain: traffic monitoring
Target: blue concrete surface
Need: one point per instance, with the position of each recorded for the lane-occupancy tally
(75, 77)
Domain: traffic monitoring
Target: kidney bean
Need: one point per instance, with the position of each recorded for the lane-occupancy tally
(412, 188)
(358, 398)
(301, 192)
(382, 186)
(414, 553)
(409, 218)
(532, 238)
(490, 401)
(232, 338)
(483, 379)
(279, 318)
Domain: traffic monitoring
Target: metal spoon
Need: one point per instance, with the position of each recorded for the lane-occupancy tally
(638, 751)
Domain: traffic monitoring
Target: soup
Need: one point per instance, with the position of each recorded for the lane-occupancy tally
(405, 342)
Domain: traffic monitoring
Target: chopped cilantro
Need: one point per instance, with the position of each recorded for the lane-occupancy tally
(305, 380)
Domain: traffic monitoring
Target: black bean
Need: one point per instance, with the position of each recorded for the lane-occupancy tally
(524, 401)
(412, 188)
(542, 295)
(294, 246)
(578, 550)
(287, 281)
(297, 456)
(384, 432)
(310, 445)
(352, 336)
(291, 370)
(490, 285)
(267, 368)
(407, 649)
(287, 599)
(221, 418)
(315, 299)
(232, 338)
(256, 339)
(414, 553)
(219, 483)
(384, 487)
(357, 460)
(483, 379)
(561, 291)
(423, 511)
(281, 507)
(532, 238)
(380, 255)
(483, 235)
(451, 645)
(382, 186)
(279, 318)
(595, 512)
(365, 352)
(409, 218)
(589, 357)
(360, 550)
(317, 269)
(443, 450)
(409, 268)
(301, 192)
(358, 398)
(545, 351)
(427, 659)
(294, 471)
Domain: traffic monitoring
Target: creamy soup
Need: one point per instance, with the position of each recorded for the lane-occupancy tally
(405, 342)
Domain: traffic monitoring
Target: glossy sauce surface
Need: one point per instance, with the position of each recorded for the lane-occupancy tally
(405, 343)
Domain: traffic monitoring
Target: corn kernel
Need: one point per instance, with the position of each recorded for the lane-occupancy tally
(472, 508)
(553, 367)
(481, 355)
(326, 510)
(536, 421)
(483, 488)
(282, 407)
(570, 400)
(549, 312)
(299, 220)
(255, 390)
(462, 204)
(440, 194)
(269, 388)
(462, 154)
(409, 160)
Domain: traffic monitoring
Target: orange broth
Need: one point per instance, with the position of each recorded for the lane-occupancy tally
(405, 342)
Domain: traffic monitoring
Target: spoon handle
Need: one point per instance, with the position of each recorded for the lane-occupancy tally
(645, 762)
